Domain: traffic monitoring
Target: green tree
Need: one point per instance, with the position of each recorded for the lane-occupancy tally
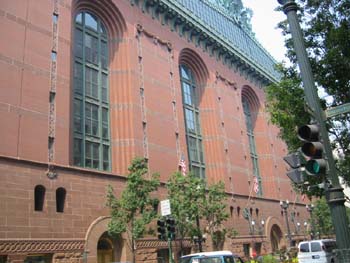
(286, 106)
(135, 208)
(321, 218)
(326, 29)
(191, 200)
(186, 193)
(215, 213)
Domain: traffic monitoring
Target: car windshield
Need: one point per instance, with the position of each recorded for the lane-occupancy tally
(185, 260)
(212, 259)
(207, 260)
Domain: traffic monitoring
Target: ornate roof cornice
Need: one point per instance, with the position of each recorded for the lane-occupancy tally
(216, 33)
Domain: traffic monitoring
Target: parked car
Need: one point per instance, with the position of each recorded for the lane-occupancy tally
(317, 251)
(211, 257)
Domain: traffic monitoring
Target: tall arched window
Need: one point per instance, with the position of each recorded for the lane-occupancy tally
(252, 146)
(91, 146)
(39, 197)
(193, 131)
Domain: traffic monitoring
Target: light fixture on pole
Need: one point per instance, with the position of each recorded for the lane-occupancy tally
(253, 226)
(298, 227)
(305, 229)
(284, 205)
(310, 208)
(261, 228)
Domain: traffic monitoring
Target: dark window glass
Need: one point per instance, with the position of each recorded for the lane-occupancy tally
(91, 82)
(78, 78)
(96, 155)
(228, 259)
(44, 258)
(60, 199)
(39, 197)
(104, 88)
(329, 246)
(91, 119)
(104, 55)
(78, 152)
(304, 247)
(3, 259)
(91, 48)
(78, 43)
(316, 247)
(105, 134)
(78, 124)
(105, 157)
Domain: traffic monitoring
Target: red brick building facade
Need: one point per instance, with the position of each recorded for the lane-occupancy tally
(57, 157)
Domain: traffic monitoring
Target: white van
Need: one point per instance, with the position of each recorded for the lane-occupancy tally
(317, 251)
(211, 257)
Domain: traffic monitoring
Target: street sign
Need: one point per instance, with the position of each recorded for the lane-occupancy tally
(345, 108)
(165, 207)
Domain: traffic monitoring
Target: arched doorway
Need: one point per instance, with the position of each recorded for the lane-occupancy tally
(275, 237)
(105, 249)
(101, 247)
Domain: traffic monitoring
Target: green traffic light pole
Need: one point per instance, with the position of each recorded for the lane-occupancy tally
(334, 194)
(170, 251)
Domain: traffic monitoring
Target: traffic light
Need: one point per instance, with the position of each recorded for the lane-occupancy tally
(312, 150)
(161, 229)
(170, 224)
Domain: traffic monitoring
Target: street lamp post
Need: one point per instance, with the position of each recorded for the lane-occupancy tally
(334, 194)
(305, 228)
(298, 227)
(262, 227)
(309, 208)
(253, 226)
(284, 205)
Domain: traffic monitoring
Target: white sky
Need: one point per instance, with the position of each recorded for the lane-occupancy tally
(264, 23)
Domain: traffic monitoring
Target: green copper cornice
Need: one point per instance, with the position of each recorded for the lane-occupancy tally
(221, 36)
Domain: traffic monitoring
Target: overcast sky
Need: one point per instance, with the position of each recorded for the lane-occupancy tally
(264, 23)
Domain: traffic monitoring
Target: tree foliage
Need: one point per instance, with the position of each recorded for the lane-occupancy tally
(326, 27)
(135, 208)
(215, 213)
(286, 106)
(186, 193)
(321, 218)
(191, 199)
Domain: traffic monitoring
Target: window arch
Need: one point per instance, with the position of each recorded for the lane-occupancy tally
(91, 147)
(250, 106)
(60, 199)
(39, 197)
(191, 114)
